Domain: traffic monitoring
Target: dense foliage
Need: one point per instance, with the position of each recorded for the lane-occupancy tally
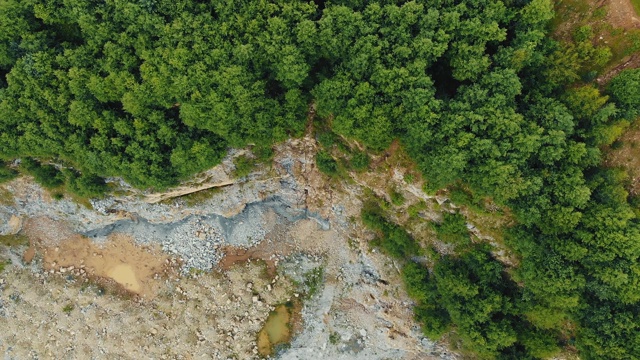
(152, 90)
(155, 90)
(6, 173)
(625, 90)
(472, 292)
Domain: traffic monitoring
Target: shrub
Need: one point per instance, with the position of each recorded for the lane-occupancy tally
(244, 166)
(263, 153)
(393, 239)
(326, 163)
(327, 139)
(397, 198)
(7, 174)
(46, 175)
(360, 161)
(453, 230)
(85, 185)
(625, 91)
(414, 210)
(409, 178)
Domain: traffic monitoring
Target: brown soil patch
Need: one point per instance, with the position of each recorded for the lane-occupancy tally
(234, 256)
(629, 62)
(132, 267)
(46, 231)
(29, 254)
(15, 224)
(627, 157)
(211, 316)
(622, 14)
(185, 190)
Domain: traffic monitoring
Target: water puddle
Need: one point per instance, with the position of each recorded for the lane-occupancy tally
(124, 275)
(132, 267)
(276, 330)
(281, 325)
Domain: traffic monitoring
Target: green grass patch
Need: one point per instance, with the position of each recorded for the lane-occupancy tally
(453, 230)
(566, 10)
(392, 238)
(409, 178)
(198, 197)
(244, 166)
(397, 198)
(414, 209)
(6, 173)
(6, 197)
(326, 163)
(327, 139)
(636, 6)
(13, 240)
(334, 338)
(584, 24)
(463, 196)
(263, 154)
(359, 161)
(67, 309)
(313, 280)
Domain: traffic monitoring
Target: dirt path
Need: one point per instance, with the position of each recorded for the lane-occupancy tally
(631, 62)
(182, 191)
(622, 14)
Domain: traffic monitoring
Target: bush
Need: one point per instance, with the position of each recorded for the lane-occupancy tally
(625, 91)
(360, 161)
(460, 195)
(7, 174)
(393, 239)
(397, 198)
(326, 163)
(244, 166)
(85, 185)
(263, 153)
(327, 139)
(453, 230)
(414, 210)
(46, 175)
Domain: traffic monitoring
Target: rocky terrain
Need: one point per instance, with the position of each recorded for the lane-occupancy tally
(148, 275)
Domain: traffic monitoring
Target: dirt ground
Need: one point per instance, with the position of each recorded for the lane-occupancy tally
(212, 316)
(134, 268)
(622, 14)
(120, 296)
(626, 155)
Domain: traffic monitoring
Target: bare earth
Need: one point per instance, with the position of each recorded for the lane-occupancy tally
(139, 285)
(622, 14)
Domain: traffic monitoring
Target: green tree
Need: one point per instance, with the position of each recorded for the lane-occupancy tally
(625, 91)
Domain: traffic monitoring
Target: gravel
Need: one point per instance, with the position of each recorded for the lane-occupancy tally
(197, 239)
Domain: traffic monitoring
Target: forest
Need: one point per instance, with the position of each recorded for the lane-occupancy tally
(157, 90)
